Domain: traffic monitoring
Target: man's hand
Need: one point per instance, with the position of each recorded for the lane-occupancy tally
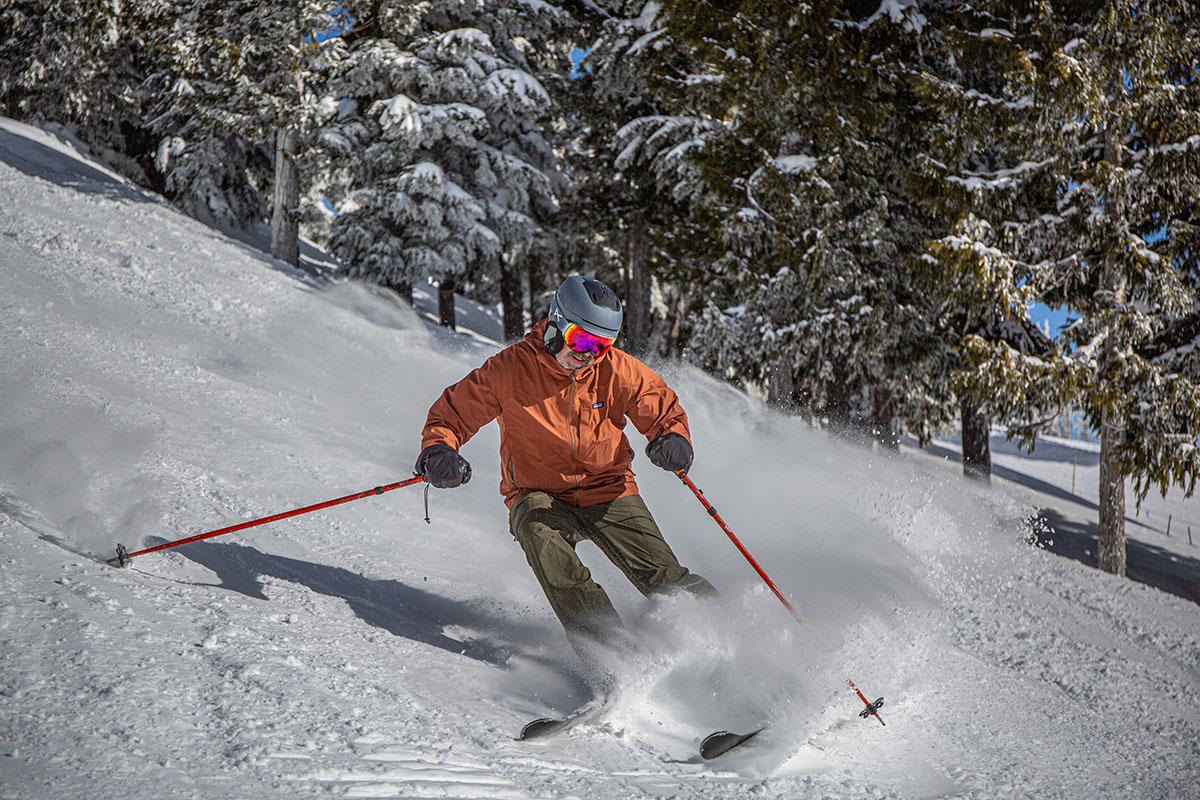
(672, 452)
(442, 466)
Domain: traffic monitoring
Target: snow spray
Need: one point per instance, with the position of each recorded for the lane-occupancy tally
(872, 709)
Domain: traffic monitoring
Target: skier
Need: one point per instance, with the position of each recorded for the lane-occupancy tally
(562, 395)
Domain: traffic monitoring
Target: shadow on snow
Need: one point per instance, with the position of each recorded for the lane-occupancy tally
(39, 161)
(1145, 563)
(387, 604)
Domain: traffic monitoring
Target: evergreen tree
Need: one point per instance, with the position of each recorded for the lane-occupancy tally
(239, 85)
(979, 287)
(620, 222)
(1096, 110)
(173, 95)
(803, 132)
(442, 168)
(80, 64)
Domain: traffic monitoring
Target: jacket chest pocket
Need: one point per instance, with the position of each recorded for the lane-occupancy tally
(597, 417)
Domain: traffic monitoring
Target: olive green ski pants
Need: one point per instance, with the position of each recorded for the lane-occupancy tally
(548, 529)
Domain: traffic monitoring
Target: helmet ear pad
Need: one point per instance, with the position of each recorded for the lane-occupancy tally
(553, 339)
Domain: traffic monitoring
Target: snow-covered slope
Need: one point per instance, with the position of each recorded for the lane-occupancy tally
(162, 380)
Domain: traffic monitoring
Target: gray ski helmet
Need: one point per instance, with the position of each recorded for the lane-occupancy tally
(589, 304)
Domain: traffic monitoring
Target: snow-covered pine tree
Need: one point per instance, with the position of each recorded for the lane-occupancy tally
(620, 222)
(79, 64)
(982, 290)
(806, 131)
(236, 76)
(437, 138)
(1095, 210)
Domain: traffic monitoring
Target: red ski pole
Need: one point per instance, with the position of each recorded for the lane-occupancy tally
(872, 708)
(123, 557)
(712, 512)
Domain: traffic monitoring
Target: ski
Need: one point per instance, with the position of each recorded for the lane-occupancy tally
(721, 742)
(548, 726)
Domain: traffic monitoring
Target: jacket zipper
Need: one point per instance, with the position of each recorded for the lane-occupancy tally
(571, 435)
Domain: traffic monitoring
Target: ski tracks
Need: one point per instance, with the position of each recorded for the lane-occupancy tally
(375, 766)
(587, 762)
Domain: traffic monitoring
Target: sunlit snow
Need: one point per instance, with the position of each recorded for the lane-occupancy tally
(161, 379)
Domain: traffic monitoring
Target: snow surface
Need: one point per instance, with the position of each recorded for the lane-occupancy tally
(161, 379)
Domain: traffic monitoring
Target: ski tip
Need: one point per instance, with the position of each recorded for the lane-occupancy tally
(534, 725)
(545, 726)
(721, 742)
(541, 727)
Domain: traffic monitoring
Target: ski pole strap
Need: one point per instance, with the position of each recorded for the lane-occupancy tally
(123, 557)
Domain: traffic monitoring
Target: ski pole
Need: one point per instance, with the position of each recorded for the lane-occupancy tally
(123, 556)
(712, 512)
(871, 708)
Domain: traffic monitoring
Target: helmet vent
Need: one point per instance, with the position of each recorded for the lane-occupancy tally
(601, 295)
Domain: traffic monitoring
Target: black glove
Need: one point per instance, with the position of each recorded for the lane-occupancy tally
(671, 451)
(442, 466)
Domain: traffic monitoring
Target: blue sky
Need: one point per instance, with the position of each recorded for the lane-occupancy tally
(1057, 317)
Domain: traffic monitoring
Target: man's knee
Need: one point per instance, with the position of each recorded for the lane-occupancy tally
(634, 541)
(527, 510)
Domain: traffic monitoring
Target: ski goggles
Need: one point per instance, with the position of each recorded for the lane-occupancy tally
(582, 341)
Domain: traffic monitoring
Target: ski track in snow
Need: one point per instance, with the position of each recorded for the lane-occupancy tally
(161, 380)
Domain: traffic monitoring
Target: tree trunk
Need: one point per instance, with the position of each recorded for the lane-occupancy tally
(405, 290)
(512, 309)
(535, 273)
(285, 227)
(837, 404)
(637, 292)
(1111, 552)
(446, 287)
(1111, 555)
(885, 429)
(676, 331)
(781, 384)
(976, 454)
(844, 403)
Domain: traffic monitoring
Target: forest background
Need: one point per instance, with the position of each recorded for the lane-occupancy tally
(847, 208)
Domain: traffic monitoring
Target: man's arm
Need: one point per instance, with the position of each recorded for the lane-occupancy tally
(656, 412)
(654, 407)
(463, 408)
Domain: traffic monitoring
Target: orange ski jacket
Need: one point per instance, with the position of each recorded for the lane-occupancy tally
(561, 432)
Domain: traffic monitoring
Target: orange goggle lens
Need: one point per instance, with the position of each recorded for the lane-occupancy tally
(582, 341)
